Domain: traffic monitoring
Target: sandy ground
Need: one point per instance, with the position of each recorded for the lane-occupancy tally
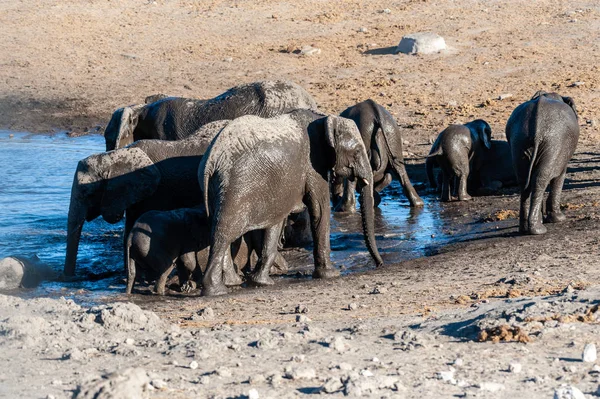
(66, 65)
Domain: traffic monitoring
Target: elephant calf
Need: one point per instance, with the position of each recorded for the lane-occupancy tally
(160, 240)
(495, 171)
(453, 150)
(543, 134)
(383, 141)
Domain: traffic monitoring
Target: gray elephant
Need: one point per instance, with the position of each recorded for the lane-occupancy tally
(174, 118)
(495, 171)
(543, 134)
(383, 140)
(257, 171)
(453, 151)
(147, 175)
(160, 240)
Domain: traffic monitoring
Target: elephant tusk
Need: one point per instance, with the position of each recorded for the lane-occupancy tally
(365, 182)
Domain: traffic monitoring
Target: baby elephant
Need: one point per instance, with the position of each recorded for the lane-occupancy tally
(453, 149)
(542, 133)
(159, 240)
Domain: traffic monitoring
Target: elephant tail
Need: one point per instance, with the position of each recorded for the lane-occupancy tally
(430, 163)
(131, 267)
(534, 156)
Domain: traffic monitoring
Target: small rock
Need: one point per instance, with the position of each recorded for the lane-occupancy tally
(223, 372)
(301, 373)
(158, 384)
(352, 306)
(301, 309)
(253, 394)
(204, 380)
(302, 318)
(193, 365)
(421, 43)
(50, 396)
(203, 314)
(363, 30)
(344, 366)
(366, 373)
(379, 290)
(576, 84)
(130, 341)
(458, 362)
(504, 96)
(386, 11)
(447, 376)
(491, 386)
(339, 344)
(275, 379)
(298, 358)
(57, 382)
(515, 367)
(589, 353)
(568, 392)
(257, 379)
(228, 59)
(332, 385)
(310, 50)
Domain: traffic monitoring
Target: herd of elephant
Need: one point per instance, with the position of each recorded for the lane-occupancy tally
(209, 186)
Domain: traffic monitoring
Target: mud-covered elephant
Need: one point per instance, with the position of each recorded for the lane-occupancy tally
(453, 151)
(174, 118)
(543, 134)
(383, 141)
(257, 171)
(147, 175)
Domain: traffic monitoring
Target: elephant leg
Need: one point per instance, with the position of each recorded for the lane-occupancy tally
(524, 211)
(535, 207)
(446, 187)
(337, 190)
(407, 187)
(379, 186)
(260, 276)
(131, 269)
(186, 265)
(212, 282)
(162, 280)
(555, 215)
(230, 275)
(348, 203)
(319, 210)
(462, 187)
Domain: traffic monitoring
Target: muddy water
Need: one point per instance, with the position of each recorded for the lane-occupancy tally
(34, 200)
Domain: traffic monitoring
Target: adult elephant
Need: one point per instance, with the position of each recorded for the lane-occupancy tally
(257, 171)
(543, 134)
(174, 118)
(383, 141)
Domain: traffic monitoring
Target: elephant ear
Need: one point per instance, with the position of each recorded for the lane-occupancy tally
(483, 131)
(330, 126)
(132, 177)
(569, 101)
(538, 94)
(119, 131)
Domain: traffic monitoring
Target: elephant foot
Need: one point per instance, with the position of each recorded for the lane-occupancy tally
(326, 272)
(231, 278)
(188, 286)
(465, 197)
(259, 280)
(214, 290)
(160, 290)
(416, 202)
(537, 229)
(555, 217)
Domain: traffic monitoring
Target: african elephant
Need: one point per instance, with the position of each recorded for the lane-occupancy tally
(257, 171)
(174, 118)
(147, 175)
(453, 150)
(543, 134)
(160, 240)
(383, 140)
(495, 171)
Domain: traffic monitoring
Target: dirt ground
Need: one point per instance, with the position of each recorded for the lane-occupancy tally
(406, 330)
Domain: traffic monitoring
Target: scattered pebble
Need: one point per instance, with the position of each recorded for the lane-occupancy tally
(568, 392)
(253, 394)
(379, 290)
(458, 362)
(386, 11)
(502, 97)
(352, 306)
(228, 59)
(589, 353)
(576, 84)
(300, 373)
(363, 30)
(158, 384)
(223, 372)
(302, 318)
(339, 344)
(447, 376)
(203, 314)
(193, 365)
(366, 373)
(204, 380)
(130, 341)
(310, 50)
(332, 385)
(491, 386)
(515, 367)
(421, 43)
(301, 309)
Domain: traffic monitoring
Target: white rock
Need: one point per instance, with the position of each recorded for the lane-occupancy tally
(366, 373)
(332, 385)
(130, 341)
(459, 362)
(159, 384)
(515, 367)
(589, 353)
(491, 386)
(568, 392)
(352, 306)
(504, 96)
(301, 373)
(339, 344)
(421, 43)
(302, 318)
(310, 50)
(193, 365)
(253, 394)
(447, 376)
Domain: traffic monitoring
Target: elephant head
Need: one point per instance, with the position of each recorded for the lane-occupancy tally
(119, 131)
(555, 96)
(106, 185)
(481, 132)
(351, 162)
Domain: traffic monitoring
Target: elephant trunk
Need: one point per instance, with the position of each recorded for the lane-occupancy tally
(77, 214)
(367, 212)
